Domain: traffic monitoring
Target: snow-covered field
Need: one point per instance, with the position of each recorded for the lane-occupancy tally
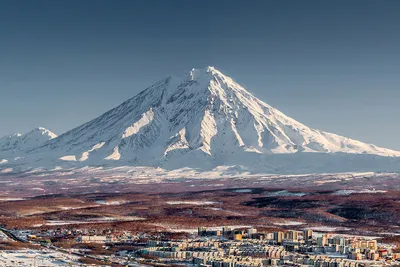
(144, 174)
(125, 179)
(29, 258)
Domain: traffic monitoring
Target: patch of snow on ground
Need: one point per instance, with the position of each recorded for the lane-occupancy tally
(68, 158)
(4, 237)
(6, 170)
(328, 228)
(216, 209)
(38, 189)
(111, 203)
(390, 234)
(95, 220)
(116, 219)
(242, 191)
(195, 203)
(363, 191)
(56, 222)
(289, 223)
(327, 181)
(25, 258)
(10, 199)
(285, 193)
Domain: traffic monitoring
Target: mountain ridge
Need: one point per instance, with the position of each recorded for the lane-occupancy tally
(18, 142)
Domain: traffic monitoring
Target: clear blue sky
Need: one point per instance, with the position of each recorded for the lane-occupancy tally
(333, 65)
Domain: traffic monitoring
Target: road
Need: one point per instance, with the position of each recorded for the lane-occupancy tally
(12, 236)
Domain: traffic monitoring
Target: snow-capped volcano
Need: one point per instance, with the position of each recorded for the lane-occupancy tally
(204, 112)
(204, 118)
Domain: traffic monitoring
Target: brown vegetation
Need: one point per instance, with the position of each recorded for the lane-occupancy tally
(11, 245)
(395, 240)
(230, 207)
(90, 261)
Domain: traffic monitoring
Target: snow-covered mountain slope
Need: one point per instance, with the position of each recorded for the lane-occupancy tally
(202, 119)
(21, 143)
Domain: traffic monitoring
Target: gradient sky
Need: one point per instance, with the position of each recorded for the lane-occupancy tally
(332, 65)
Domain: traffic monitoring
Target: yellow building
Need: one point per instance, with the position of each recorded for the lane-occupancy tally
(238, 237)
(278, 237)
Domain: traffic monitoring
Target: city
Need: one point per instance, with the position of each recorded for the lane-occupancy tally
(212, 247)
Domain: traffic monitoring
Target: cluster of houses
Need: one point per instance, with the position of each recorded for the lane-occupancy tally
(228, 247)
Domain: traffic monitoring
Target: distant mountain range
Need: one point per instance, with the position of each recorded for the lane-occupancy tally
(201, 120)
